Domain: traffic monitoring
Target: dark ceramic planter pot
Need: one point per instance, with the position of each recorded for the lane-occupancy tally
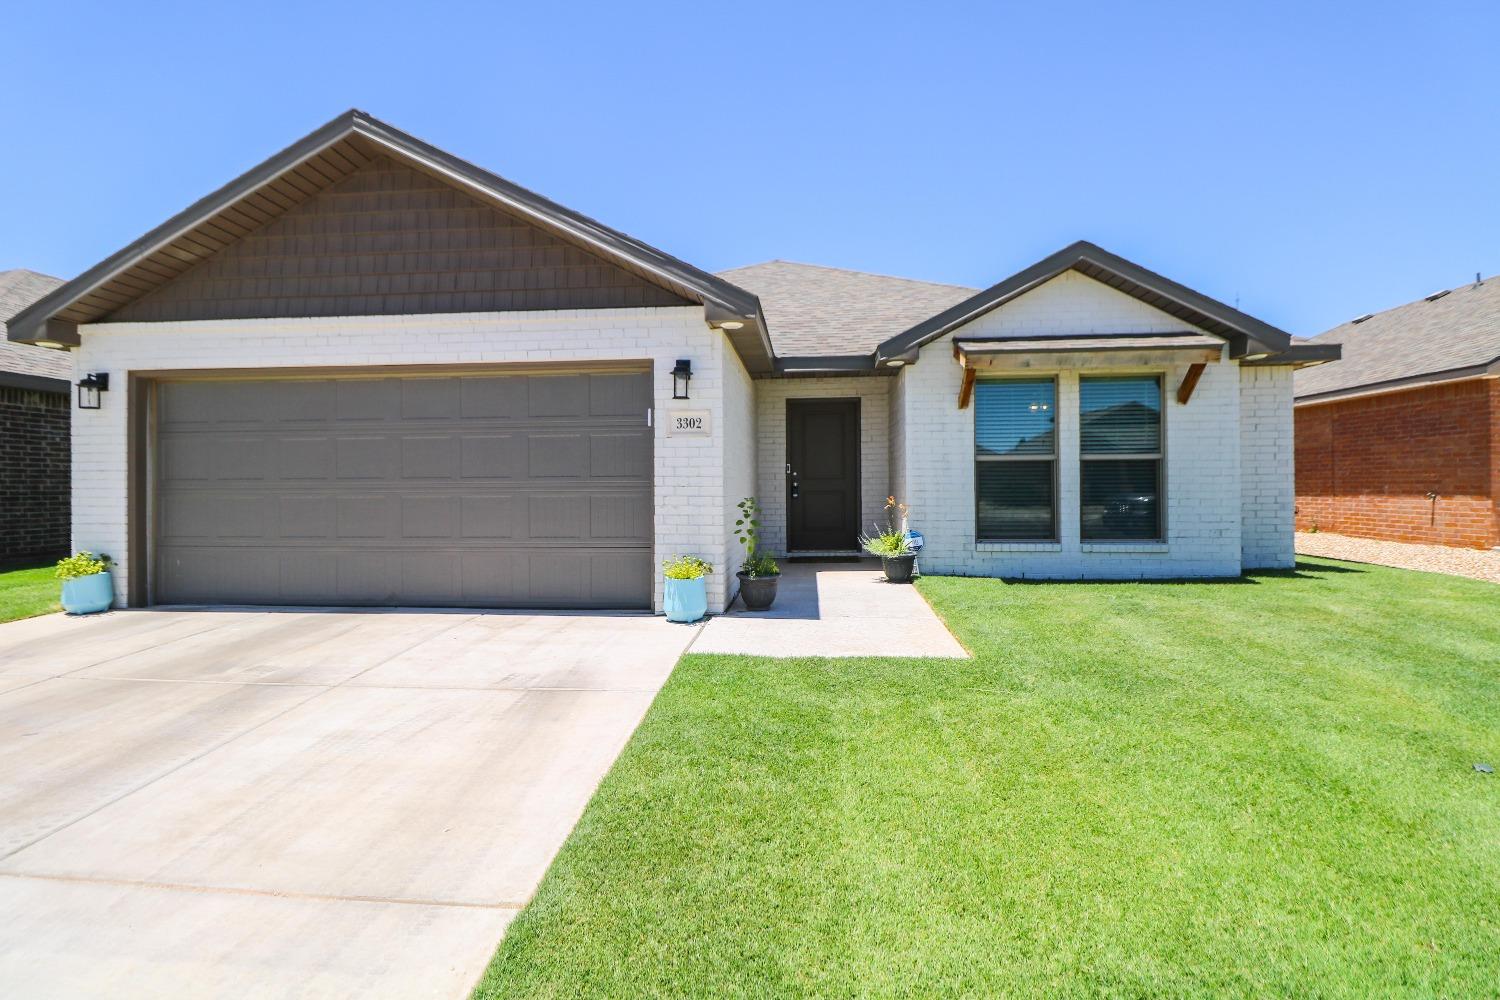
(758, 592)
(898, 568)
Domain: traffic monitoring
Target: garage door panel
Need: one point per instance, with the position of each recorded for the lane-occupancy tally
(558, 517)
(305, 458)
(429, 516)
(491, 515)
(612, 396)
(493, 398)
(619, 516)
(307, 576)
(374, 516)
(307, 517)
(429, 456)
(185, 458)
(615, 576)
(557, 456)
(366, 577)
(493, 456)
(302, 402)
(477, 491)
(428, 578)
(371, 457)
(558, 396)
(365, 399)
(430, 399)
(619, 454)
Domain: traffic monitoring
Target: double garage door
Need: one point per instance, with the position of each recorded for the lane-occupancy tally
(465, 491)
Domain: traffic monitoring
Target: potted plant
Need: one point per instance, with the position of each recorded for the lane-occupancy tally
(892, 544)
(685, 596)
(759, 573)
(87, 586)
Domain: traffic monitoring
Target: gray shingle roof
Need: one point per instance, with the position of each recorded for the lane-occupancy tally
(19, 289)
(1459, 330)
(815, 310)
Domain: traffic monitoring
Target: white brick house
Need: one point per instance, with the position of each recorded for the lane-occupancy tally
(367, 372)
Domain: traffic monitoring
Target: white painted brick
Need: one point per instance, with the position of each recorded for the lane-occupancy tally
(1268, 487)
(695, 489)
(935, 455)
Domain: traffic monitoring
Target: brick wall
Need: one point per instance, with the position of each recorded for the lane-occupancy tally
(1365, 466)
(34, 475)
(692, 482)
(1203, 488)
(1266, 464)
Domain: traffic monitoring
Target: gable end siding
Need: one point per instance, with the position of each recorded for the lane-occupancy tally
(392, 240)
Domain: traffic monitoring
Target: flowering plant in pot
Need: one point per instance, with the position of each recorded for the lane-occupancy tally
(87, 585)
(759, 573)
(892, 544)
(685, 595)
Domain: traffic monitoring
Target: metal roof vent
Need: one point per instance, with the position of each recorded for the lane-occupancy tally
(1437, 295)
(1361, 319)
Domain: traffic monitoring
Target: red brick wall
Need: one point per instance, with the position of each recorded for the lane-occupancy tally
(34, 475)
(1365, 466)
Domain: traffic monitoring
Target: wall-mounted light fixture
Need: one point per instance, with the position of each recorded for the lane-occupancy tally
(89, 388)
(682, 374)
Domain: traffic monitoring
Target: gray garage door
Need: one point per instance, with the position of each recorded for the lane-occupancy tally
(476, 491)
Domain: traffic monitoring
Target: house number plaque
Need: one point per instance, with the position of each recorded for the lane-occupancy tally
(688, 423)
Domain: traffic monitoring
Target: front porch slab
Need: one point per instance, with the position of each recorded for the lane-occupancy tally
(833, 610)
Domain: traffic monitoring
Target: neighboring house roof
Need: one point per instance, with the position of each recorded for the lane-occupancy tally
(333, 151)
(1447, 335)
(22, 365)
(1246, 334)
(814, 310)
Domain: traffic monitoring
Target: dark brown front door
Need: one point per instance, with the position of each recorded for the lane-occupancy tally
(822, 448)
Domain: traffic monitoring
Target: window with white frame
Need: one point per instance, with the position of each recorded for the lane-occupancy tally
(1015, 459)
(1120, 457)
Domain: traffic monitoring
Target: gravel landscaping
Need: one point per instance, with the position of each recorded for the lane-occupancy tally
(1476, 564)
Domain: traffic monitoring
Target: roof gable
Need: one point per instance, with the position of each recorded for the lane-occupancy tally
(1245, 334)
(391, 239)
(325, 157)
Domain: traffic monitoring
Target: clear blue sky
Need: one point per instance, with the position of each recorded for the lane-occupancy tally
(1313, 160)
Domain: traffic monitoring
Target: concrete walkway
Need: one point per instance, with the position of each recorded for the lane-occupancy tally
(310, 804)
(833, 609)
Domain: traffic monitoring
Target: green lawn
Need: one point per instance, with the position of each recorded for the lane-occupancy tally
(1255, 788)
(26, 593)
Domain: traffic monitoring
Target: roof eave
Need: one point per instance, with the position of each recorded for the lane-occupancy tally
(1252, 336)
(724, 301)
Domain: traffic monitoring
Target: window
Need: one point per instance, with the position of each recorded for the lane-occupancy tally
(1015, 459)
(1120, 457)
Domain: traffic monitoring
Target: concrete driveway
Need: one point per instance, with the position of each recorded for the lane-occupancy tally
(257, 803)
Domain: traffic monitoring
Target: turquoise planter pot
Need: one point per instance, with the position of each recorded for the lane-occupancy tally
(88, 594)
(685, 600)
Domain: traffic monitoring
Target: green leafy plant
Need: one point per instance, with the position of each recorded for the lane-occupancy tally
(686, 568)
(891, 541)
(82, 564)
(747, 530)
(759, 565)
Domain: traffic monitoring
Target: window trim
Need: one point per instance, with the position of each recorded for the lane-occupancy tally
(1055, 458)
(1159, 456)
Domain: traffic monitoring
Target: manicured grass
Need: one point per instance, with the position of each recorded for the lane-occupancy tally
(1257, 788)
(26, 593)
